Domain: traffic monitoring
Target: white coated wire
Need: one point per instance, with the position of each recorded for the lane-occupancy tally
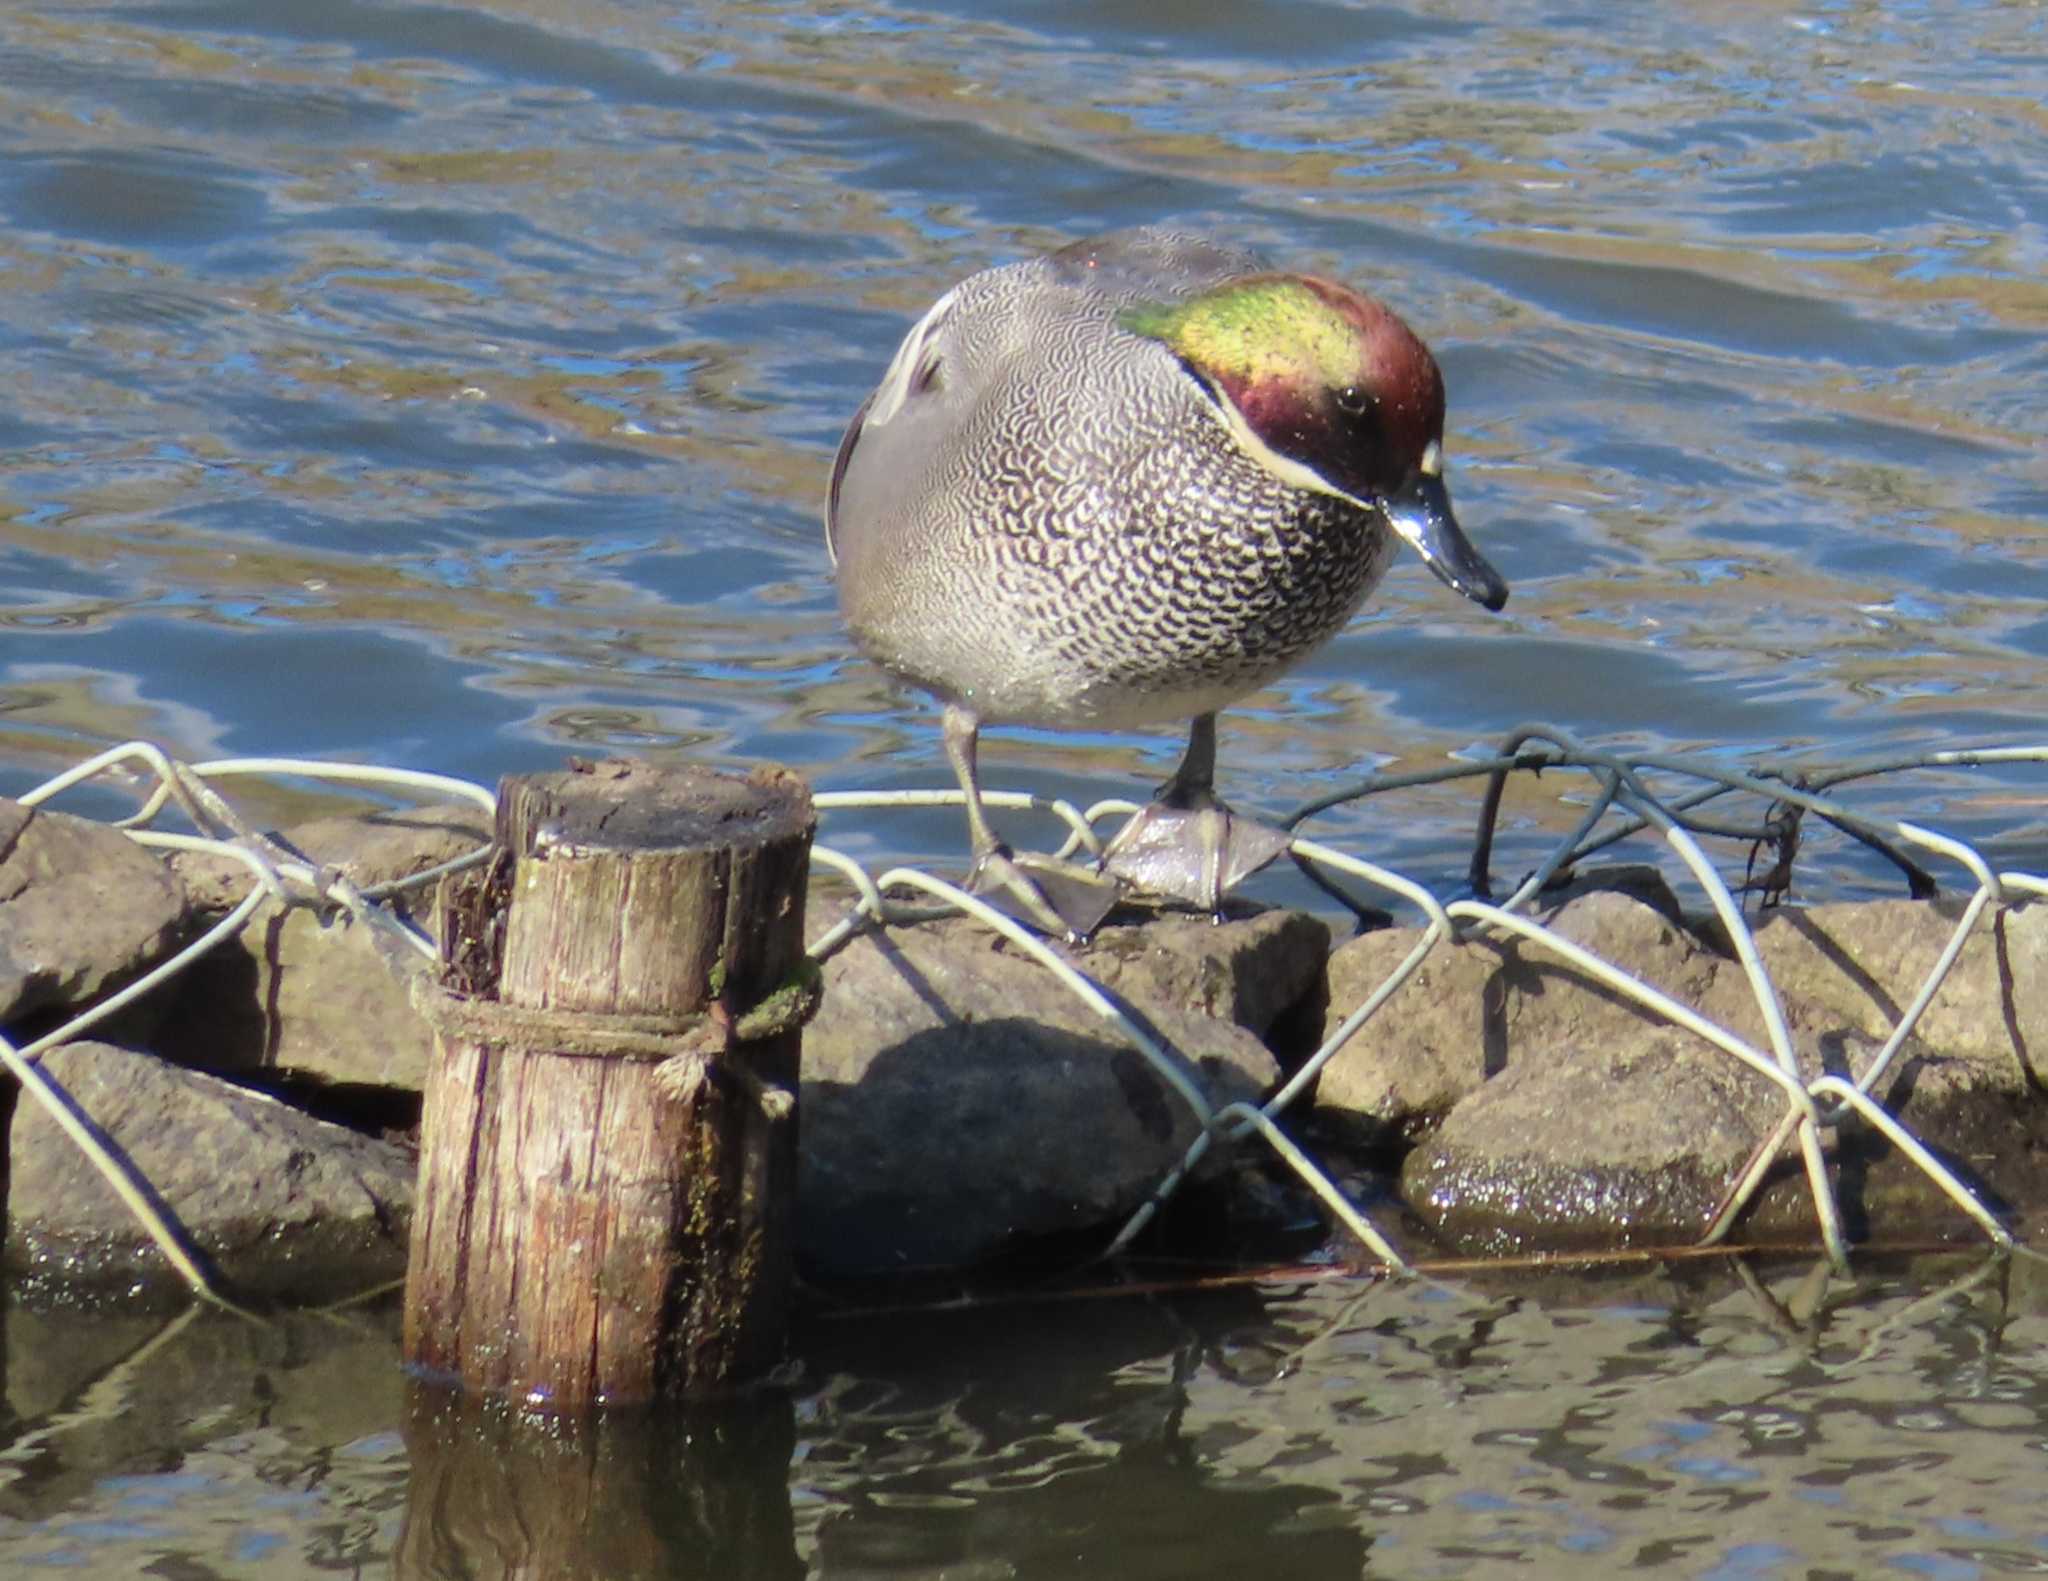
(1811, 1106)
(278, 877)
(282, 877)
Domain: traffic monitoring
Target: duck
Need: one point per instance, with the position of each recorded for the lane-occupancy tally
(1121, 485)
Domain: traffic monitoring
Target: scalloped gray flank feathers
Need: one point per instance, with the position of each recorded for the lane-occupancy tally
(1128, 483)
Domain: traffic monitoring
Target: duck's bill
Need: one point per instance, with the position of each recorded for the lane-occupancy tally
(1420, 511)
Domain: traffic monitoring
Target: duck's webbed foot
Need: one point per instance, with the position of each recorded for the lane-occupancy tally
(1191, 854)
(1055, 897)
(1188, 845)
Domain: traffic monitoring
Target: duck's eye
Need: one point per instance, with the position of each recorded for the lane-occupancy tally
(927, 376)
(1355, 400)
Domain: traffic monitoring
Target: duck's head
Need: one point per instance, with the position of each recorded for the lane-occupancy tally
(1330, 391)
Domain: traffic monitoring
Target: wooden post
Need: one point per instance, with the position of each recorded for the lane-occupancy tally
(608, 1150)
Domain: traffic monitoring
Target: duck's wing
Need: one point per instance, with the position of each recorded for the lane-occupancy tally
(1148, 264)
(1015, 337)
(840, 462)
(881, 442)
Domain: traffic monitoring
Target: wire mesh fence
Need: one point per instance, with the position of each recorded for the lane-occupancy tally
(1676, 801)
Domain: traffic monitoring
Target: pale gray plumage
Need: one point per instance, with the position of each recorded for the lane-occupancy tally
(1046, 517)
(1040, 515)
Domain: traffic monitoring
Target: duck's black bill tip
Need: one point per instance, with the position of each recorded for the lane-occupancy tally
(1477, 581)
(1421, 513)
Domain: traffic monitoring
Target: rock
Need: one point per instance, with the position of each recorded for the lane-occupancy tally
(1604, 1144)
(1422, 1051)
(1970, 1078)
(1637, 880)
(83, 909)
(1636, 1146)
(1859, 963)
(956, 1099)
(285, 1205)
(1468, 1006)
(370, 848)
(298, 994)
(1568, 1117)
(1258, 971)
(1969, 1081)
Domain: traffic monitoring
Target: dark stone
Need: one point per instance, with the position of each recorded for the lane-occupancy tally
(286, 1206)
(957, 1100)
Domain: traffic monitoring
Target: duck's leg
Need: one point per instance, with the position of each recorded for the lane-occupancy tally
(1193, 784)
(1187, 844)
(963, 736)
(1056, 900)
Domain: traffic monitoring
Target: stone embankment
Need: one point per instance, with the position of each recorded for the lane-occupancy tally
(959, 1105)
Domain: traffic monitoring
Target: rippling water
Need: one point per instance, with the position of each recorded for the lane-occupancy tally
(1688, 1422)
(455, 387)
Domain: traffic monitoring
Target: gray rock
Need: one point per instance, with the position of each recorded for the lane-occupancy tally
(1857, 964)
(1469, 1007)
(370, 848)
(1258, 971)
(285, 1205)
(1969, 1081)
(957, 1099)
(1604, 1125)
(310, 996)
(83, 909)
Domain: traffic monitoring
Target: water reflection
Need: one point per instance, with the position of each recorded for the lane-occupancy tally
(1688, 1418)
(1442, 1433)
(687, 1494)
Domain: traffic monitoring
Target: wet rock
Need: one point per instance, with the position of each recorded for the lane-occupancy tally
(299, 994)
(1469, 1007)
(83, 909)
(1637, 1146)
(1602, 1144)
(284, 1205)
(957, 1099)
(1603, 1124)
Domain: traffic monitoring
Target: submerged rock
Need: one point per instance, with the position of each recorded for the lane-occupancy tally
(957, 1099)
(284, 1205)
